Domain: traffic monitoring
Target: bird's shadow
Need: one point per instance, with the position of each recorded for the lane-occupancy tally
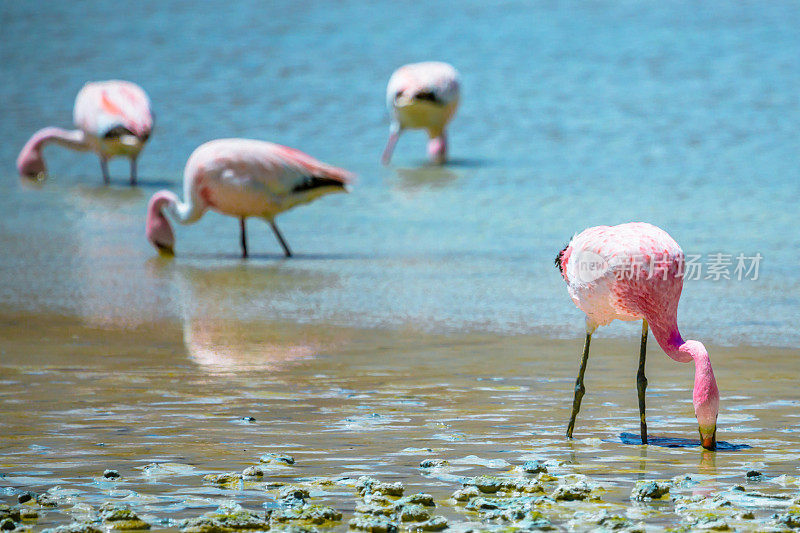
(678, 442)
(156, 184)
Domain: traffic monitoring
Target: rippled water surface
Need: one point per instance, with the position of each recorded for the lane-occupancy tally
(422, 317)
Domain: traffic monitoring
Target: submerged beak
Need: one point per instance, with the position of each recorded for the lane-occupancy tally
(164, 250)
(709, 442)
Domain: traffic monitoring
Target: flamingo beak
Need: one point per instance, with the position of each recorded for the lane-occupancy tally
(709, 442)
(164, 250)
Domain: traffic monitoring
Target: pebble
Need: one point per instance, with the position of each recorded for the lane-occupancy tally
(534, 467)
(121, 517)
(433, 463)
(111, 474)
(25, 497)
(651, 490)
(568, 493)
(753, 474)
(277, 458)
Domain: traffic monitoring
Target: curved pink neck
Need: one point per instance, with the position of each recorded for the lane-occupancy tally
(74, 139)
(706, 393)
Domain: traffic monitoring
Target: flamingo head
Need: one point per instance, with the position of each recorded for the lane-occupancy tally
(158, 229)
(437, 149)
(705, 395)
(30, 163)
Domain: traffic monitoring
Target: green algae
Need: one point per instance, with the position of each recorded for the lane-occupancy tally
(74, 527)
(225, 520)
(121, 517)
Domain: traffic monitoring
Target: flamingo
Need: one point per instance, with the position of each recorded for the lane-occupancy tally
(113, 118)
(242, 178)
(630, 272)
(422, 96)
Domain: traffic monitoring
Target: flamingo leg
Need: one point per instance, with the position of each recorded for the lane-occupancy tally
(580, 390)
(243, 235)
(641, 383)
(281, 240)
(133, 171)
(104, 168)
(394, 135)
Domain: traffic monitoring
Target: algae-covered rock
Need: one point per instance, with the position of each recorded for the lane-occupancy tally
(225, 519)
(433, 463)
(7, 524)
(373, 524)
(293, 492)
(466, 494)
(367, 485)
(436, 523)
(413, 513)
(74, 527)
(420, 498)
(8, 512)
(122, 517)
(578, 491)
(252, 473)
(26, 513)
(314, 514)
(228, 479)
(493, 484)
(277, 458)
(711, 522)
(374, 509)
(534, 467)
(605, 522)
(790, 519)
(46, 500)
(487, 484)
(651, 490)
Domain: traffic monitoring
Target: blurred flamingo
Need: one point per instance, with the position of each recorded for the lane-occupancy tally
(242, 178)
(113, 119)
(422, 96)
(630, 272)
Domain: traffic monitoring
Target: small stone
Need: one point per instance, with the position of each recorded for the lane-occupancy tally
(413, 513)
(25, 497)
(568, 493)
(534, 467)
(373, 524)
(433, 463)
(111, 474)
(419, 498)
(436, 523)
(315, 514)
(225, 519)
(747, 515)
(252, 472)
(28, 514)
(366, 485)
(7, 524)
(277, 458)
(122, 517)
(790, 519)
(248, 419)
(466, 494)
(291, 492)
(753, 474)
(74, 527)
(46, 500)
(652, 490)
(228, 478)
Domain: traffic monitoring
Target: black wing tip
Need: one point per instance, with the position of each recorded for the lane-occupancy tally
(316, 182)
(559, 257)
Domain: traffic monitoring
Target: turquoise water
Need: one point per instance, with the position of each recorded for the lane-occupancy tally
(572, 115)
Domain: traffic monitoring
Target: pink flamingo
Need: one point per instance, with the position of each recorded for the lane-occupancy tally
(113, 119)
(422, 96)
(242, 178)
(630, 272)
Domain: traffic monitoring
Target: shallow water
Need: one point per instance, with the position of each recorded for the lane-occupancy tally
(422, 316)
(347, 402)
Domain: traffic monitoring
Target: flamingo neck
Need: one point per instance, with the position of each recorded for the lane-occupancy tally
(74, 139)
(705, 394)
